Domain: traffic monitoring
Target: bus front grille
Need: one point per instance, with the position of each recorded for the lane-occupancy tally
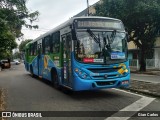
(104, 83)
(103, 77)
(103, 70)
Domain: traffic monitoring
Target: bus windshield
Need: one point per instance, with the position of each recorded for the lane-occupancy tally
(101, 47)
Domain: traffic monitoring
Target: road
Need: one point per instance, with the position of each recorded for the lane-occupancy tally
(146, 78)
(24, 93)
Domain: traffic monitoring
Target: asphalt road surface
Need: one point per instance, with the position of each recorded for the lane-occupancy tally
(24, 93)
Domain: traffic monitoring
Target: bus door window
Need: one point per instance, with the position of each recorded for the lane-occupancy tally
(35, 48)
(47, 44)
(55, 43)
(69, 50)
(67, 57)
(68, 46)
(39, 48)
(27, 52)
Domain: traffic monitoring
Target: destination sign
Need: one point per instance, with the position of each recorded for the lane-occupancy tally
(100, 24)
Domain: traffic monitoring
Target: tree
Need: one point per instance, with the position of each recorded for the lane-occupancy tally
(22, 44)
(7, 41)
(13, 15)
(22, 47)
(141, 18)
(16, 55)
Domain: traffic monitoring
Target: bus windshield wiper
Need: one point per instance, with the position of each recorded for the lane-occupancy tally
(95, 38)
(109, 40)
(112, 37)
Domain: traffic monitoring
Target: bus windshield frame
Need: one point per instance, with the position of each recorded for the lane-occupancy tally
(101, 38)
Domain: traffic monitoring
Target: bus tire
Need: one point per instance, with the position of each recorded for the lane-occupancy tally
(67, 91)
(54, 78)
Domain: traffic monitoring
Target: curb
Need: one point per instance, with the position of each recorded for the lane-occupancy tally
(148, 73)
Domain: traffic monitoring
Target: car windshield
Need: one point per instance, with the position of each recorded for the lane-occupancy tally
(101, 47)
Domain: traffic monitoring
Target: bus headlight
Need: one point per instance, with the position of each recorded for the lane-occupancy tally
(82, 74)
(85, 76)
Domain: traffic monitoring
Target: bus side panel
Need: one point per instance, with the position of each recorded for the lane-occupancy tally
(40, 65)
(46, 69)
(35, 66)
(26, 65)
(26, 62)
(30, 64)
(48, 64)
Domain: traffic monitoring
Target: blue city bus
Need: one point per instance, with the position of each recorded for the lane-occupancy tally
(84, 53)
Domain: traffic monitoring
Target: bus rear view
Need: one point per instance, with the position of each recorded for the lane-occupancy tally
(99, 57)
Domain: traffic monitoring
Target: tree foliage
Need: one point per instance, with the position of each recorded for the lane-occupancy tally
(17, 55)
(13, 15)
(141, 18)
(7, 40)
(22, 45)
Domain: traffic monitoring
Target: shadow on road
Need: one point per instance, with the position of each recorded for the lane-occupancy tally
(79, 95)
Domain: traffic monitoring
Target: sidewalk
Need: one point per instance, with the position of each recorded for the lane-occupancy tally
(143, 87)
(148, 71)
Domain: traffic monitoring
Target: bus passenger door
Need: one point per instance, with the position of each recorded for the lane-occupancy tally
(66, 39)
(39, 59)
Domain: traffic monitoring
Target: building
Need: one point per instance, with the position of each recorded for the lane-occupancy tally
(92, 10)
(157, 52)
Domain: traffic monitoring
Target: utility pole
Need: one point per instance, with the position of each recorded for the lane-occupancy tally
(87, 8)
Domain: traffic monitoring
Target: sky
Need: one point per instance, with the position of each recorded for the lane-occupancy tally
(52, 14)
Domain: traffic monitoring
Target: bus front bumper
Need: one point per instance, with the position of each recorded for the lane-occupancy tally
(82, 84)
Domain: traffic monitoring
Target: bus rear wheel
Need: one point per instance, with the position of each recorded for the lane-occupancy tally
(55, 81)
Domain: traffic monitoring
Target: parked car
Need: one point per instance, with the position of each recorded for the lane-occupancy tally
(5, 64)
(16, 62)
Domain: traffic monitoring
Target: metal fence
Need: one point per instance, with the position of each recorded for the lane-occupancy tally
(150, 64)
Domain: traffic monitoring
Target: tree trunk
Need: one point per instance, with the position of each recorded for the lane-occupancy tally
(142, 60)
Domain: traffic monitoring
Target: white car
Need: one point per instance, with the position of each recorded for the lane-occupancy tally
(16, 62)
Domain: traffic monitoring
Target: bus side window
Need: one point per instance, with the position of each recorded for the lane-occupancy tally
(69, 42)
(27, 51)
(34, 48)
(43, 46)
(55, 42)
(47, 44)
